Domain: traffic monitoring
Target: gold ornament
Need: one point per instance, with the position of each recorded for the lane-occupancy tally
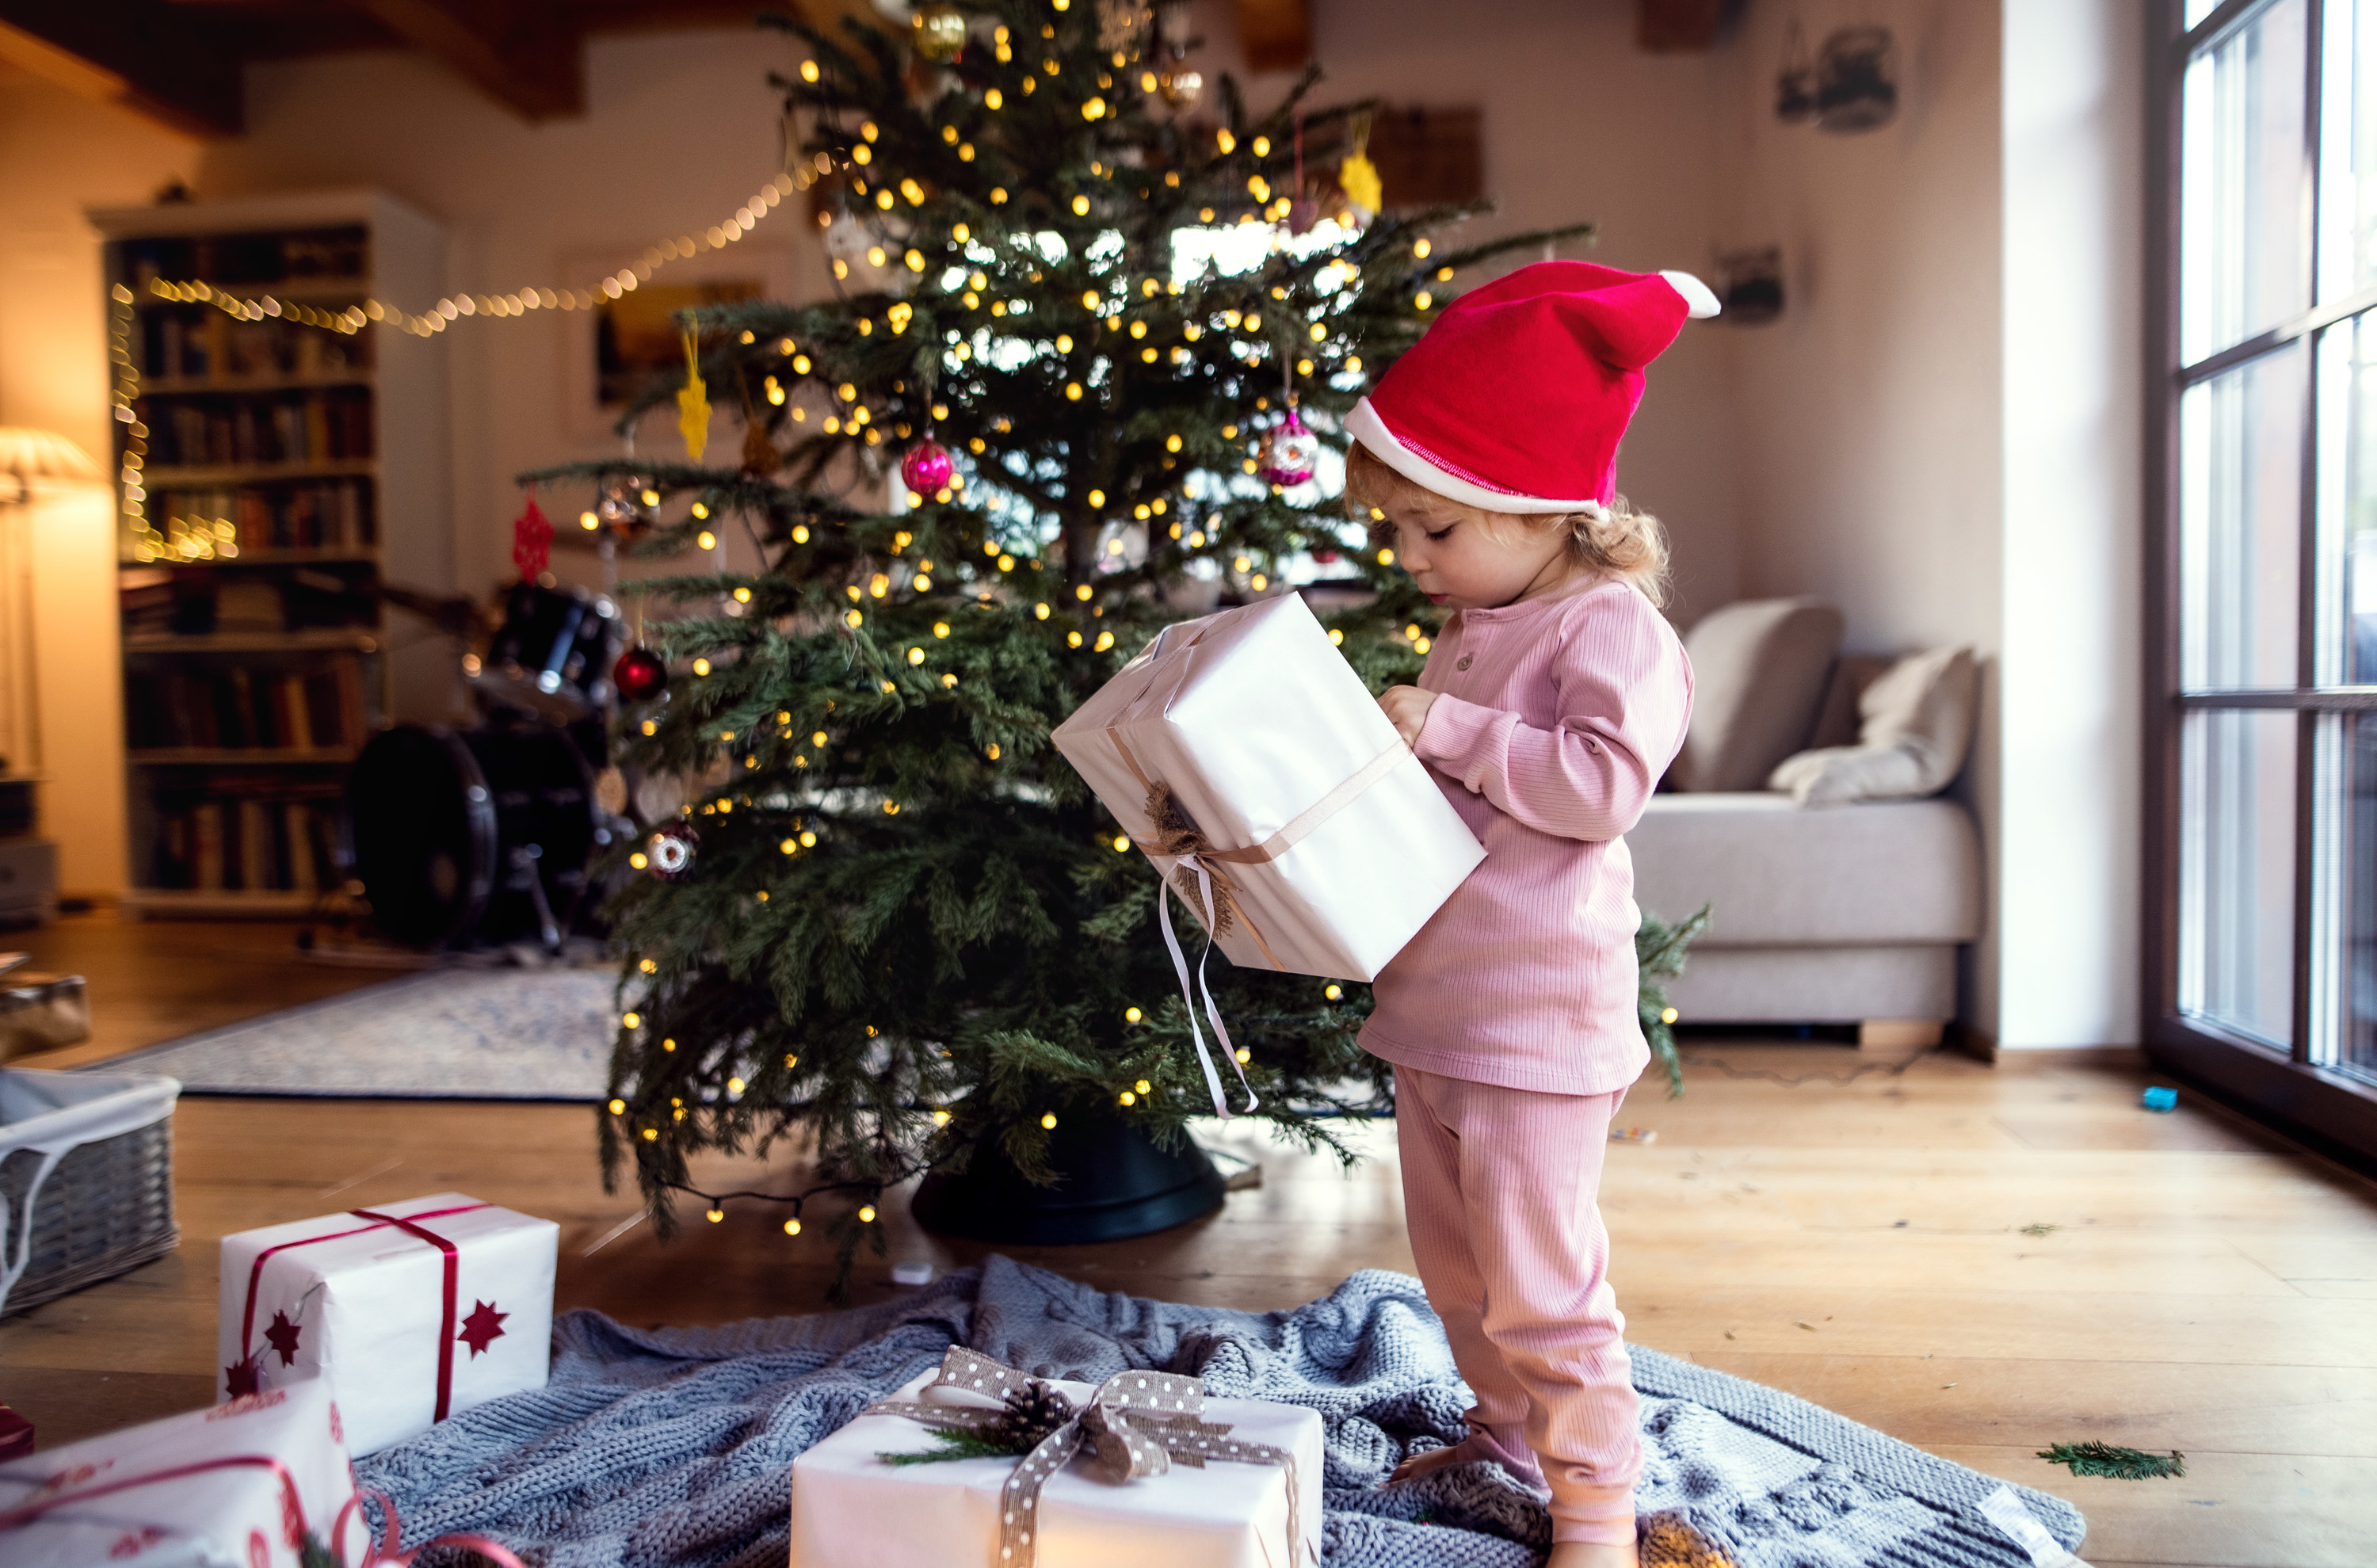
(939, 33)
(693, 401)
(1182, 88)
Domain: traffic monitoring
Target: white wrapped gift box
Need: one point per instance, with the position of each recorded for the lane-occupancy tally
(413, 1311)
(851, 1510)
(1338, 842)
(244, 1485)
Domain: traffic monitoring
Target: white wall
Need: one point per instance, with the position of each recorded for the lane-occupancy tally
(2068, 842)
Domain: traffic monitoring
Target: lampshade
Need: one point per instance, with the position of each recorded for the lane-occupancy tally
(42, 459)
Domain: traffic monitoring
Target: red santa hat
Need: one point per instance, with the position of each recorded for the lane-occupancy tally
(1516, 399)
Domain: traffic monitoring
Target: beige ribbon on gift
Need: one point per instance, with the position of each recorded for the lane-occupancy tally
(1198, 867)
(1135, 1424)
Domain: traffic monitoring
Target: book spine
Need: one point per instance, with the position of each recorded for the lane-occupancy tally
(255, 846)
(297, 831)
(206, 836)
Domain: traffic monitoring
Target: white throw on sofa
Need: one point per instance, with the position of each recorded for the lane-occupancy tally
(1844, 913)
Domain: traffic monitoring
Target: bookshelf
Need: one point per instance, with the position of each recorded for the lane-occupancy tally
(270, 476)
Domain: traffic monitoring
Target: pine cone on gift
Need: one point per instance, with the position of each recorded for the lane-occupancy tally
(1032, 1412)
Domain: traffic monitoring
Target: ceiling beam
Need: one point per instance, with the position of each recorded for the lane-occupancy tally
(1681, 26)
(152, 59)
(1275, 34)
(528, 55)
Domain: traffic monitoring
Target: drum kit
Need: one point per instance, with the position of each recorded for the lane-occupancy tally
(485, 836)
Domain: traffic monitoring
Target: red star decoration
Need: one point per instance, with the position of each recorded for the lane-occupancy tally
(282, 1337)
(483, 1327)
(240, 1376)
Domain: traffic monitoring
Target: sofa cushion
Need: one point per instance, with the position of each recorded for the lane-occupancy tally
(1777, 873)
(1758, 672)
(1837, 721)
(1917, 719)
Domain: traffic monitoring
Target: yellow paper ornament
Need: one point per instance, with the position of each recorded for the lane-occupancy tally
(1358, 178)
(693, 401)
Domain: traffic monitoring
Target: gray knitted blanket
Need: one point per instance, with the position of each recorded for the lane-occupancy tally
(669, 1448)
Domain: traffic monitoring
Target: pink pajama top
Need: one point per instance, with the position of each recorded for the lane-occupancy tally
(1553, 720)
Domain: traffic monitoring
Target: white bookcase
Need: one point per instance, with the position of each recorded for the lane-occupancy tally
(271, 476)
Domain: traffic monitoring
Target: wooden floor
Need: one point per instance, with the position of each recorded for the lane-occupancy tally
(1866, 1244)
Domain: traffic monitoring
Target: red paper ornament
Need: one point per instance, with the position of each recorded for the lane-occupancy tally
(532, 537)
(640, 674)
(928, 468)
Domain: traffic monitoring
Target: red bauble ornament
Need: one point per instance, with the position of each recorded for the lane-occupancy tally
(670, 851)
(1288, 451)
(640, 674)
(928, 468)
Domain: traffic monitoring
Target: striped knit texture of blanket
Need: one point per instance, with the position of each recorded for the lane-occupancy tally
(671, 1448)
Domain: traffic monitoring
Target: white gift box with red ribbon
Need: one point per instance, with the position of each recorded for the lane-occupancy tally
(411, 1311)
(249, 1484)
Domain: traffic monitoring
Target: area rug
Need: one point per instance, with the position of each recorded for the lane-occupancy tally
(443, 1034)
(670, 1448)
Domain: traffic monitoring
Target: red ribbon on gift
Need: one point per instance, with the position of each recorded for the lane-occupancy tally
(411, 1225)
(293, 1511)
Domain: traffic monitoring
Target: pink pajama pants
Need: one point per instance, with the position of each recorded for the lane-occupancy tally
(1500, 1190)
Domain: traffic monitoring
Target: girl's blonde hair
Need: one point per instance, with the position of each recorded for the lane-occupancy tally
(1623, 543)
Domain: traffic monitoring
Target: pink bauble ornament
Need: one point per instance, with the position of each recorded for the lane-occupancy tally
(928, 469)
(640, 674)
(1289, 451)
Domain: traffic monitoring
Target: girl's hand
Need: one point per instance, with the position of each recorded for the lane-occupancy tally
(1406, 707)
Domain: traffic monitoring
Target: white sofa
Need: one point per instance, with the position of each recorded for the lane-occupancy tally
(1822, 914)
(1834, 914)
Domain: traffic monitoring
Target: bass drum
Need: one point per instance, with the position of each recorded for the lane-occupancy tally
(477, 836)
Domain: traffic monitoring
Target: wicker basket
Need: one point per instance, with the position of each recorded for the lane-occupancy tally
(85, 1180)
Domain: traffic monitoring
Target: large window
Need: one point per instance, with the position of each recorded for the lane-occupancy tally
(2262, 966)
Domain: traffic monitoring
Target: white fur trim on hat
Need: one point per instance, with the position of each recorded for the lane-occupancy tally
(1365, 426)
(1698, 300)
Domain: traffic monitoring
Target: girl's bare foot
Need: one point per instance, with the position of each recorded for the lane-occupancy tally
(1593, 1554)
(1419, 1465)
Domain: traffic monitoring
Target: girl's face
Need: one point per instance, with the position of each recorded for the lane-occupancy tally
(1464, 560)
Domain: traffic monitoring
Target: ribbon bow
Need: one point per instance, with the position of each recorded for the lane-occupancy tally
(1198, 880)
(1135, 1424)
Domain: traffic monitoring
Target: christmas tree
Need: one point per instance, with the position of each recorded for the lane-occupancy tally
(1058, 401)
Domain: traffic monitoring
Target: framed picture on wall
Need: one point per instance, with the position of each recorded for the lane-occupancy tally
(622, 346)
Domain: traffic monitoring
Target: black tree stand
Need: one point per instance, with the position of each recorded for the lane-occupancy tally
(1113, 1182)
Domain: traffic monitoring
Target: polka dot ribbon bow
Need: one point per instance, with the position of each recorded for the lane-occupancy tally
(1135, 1424)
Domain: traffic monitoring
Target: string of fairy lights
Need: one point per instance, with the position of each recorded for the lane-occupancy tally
(437, 318)
(191, 535)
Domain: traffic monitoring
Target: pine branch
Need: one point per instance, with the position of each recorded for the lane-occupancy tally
(2093, 1459)
(961, 1442)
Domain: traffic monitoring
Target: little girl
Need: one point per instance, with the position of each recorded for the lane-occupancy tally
(1551, 704)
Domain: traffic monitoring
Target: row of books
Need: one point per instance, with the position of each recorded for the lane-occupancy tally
(205, 601)
(310, 427)
(333, 514)
(255, 843)
(271, 257)
(241, 708)
(203, 341)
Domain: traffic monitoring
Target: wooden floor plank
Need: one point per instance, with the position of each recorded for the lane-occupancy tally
(2206, 1288)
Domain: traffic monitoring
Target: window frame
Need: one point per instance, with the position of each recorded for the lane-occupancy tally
(2331, 1107)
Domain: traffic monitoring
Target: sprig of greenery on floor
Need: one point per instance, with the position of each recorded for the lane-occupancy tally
(2119, 1464)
